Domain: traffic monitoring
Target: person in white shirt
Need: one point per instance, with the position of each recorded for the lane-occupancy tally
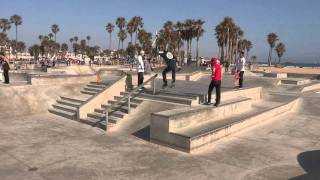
(140, 68)
(241, 68)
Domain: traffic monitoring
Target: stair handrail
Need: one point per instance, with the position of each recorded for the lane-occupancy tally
(127, 97)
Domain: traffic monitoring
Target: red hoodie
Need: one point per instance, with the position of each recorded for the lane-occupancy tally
(216, 69)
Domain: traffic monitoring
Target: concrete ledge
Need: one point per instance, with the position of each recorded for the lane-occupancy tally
(252, 93)
(276, 75)
(311, 87)
(297, 82)
(165, 125)
(61, 79)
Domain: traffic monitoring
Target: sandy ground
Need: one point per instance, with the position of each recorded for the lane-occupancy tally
(291, 70)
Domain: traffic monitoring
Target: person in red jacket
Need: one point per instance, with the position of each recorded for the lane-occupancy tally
(215, 82)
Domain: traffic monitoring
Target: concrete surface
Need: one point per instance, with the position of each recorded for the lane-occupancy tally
(44, 146)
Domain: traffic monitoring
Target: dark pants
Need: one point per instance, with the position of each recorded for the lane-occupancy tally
(164, 74)
(241, 79)
(6, 76)
(217, 85)
(140, 78)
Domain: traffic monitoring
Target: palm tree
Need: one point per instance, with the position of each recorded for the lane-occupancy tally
(110, 28)
(247, 47)
(253, 58)
(137, 25)
(88, 39)
(272, 39)
(40, 37)
(16, 20)
(281, 49)
(122, 36)
(130, 29)
(75, 39)
(121, 23)
(71, 40)
(179, 27)
(55, 29)
(50, 35)
(5, 25)
(199, 32)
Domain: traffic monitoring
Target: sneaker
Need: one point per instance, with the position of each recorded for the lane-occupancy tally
(172, 85)
(164, 86)
(207, 103)
(216, 104)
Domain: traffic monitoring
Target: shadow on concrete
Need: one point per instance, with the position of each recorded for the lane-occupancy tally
(143, 133)
(310, 162)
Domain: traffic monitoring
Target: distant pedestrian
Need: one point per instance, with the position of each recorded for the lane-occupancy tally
(215, 82)
(140, 69)
(227, 65)
(131, 61)
(5, 67)
(241, 68)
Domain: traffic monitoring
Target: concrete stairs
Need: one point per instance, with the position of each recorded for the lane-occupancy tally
(68, 106)
(94, 88)
(115, 115)
(188, 129)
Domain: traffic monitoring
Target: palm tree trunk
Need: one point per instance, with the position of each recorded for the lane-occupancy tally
(55, 37)
(109, 41)
(197, 53)
(135, 38)
(131, 38)
(269, 58)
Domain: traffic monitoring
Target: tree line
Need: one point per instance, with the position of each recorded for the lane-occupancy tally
(177, 37)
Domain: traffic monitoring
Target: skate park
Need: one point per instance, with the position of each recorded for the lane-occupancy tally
(57, 121)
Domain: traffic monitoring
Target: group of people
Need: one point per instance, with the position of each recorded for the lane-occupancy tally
(217, 77)
(144, 67)
(4, 62)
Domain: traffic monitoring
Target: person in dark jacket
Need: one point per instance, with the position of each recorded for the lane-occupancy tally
(5, 67)
(171, 61)
(215, 82)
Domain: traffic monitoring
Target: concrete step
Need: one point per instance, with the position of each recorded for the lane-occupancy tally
(88, 92)
(118, 114)
(97, 123)
(99, 83)
(201, 135)
(66, 114)
(65, 108)
(163, 98)
(79, 100)
(123, 103)
(69, 103)
(92, 89)
(100, 86)
(101, 116)
(133, 100)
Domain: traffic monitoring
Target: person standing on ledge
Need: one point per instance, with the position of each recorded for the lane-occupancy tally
(241, 68)
(140, 68)
(215, 82)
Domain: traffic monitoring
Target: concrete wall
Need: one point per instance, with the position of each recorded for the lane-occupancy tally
(102, 98)
(61, 79)
(253, 93)
(276, 75)
(30, 99)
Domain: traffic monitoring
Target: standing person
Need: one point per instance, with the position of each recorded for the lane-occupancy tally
(215, 82)
(131, 61)
(140, 68)
(227, 64)
(171, 66)
(5, 67)
(241, 68)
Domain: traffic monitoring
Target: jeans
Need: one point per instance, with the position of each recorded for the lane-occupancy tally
(6, 76)
(140, 78)
(241, 79)
(165, 71)
(217, 85)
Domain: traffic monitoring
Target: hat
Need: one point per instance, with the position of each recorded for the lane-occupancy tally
(141, 52)
(215, 60)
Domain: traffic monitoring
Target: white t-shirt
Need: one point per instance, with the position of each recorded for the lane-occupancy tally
(241, 64)
(140, 64)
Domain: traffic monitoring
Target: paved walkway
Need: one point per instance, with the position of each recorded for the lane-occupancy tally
(44, 146)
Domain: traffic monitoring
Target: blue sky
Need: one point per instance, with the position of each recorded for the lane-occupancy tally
(295, 21)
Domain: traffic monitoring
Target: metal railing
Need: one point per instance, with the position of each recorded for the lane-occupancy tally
(127, 98)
